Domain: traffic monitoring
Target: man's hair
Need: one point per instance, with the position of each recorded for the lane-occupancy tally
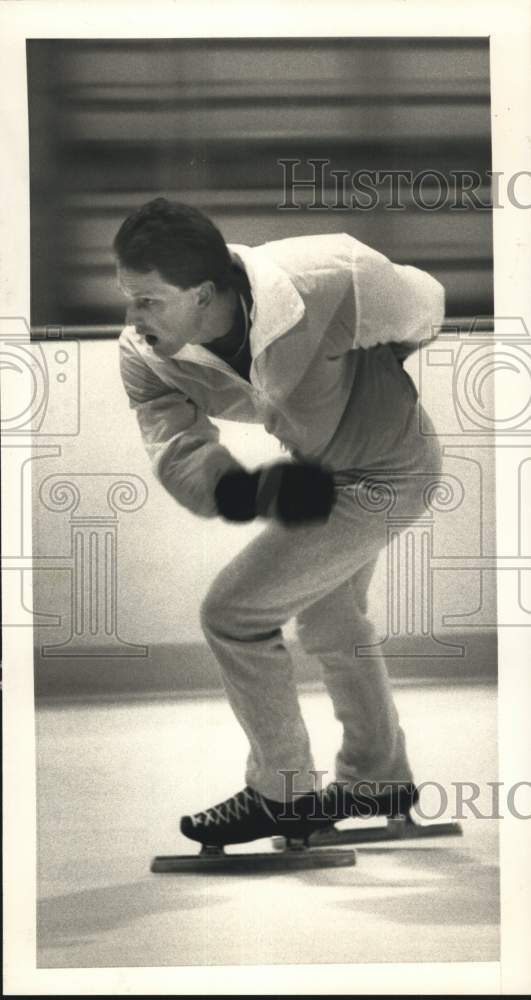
(178, 241)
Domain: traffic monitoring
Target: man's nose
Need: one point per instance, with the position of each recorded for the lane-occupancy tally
(133, 318)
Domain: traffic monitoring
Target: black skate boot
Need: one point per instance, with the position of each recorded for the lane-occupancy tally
(366, 801)
(369, 799)
(249, 816)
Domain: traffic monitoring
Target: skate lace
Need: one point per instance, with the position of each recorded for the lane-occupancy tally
(238, 805)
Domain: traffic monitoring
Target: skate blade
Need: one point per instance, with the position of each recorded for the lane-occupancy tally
(395, 829)
(286, 859)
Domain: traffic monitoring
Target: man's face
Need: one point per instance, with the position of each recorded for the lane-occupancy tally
(166, 316)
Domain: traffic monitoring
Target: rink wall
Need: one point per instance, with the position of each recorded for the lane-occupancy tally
(98, 479)
(185, 669)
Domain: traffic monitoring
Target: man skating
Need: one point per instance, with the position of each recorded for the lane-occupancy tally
(306, 336)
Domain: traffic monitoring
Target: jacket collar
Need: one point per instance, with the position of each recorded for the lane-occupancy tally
(277, 305)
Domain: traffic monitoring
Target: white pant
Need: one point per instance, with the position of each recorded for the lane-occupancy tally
(320, 575)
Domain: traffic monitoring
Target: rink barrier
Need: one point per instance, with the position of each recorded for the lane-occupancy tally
(112, 330)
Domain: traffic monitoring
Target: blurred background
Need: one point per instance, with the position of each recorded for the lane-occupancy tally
(115, 123)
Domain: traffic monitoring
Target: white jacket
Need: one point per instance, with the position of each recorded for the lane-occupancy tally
(318, 303)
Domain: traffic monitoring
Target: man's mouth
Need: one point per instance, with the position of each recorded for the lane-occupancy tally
(149, 338)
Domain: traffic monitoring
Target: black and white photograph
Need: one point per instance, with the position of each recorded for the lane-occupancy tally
(265, 352)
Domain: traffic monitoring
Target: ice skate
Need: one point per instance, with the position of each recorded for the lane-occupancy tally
(367, 802)
(249, 816)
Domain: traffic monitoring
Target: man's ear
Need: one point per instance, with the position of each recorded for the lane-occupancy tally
(205, 293)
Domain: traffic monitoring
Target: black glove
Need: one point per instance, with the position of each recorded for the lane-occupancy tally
(235, 495)
(291, 493)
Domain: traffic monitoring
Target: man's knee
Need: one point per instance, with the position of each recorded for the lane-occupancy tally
(214, 612)
(231, 610)
(228, 608)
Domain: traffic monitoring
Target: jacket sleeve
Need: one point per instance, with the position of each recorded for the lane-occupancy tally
(181, 442)
(395, 303)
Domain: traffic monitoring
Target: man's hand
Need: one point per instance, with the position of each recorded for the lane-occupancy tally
(235, 495)
(290, 493)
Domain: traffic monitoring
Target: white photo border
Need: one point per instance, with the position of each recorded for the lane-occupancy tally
(507, 25)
